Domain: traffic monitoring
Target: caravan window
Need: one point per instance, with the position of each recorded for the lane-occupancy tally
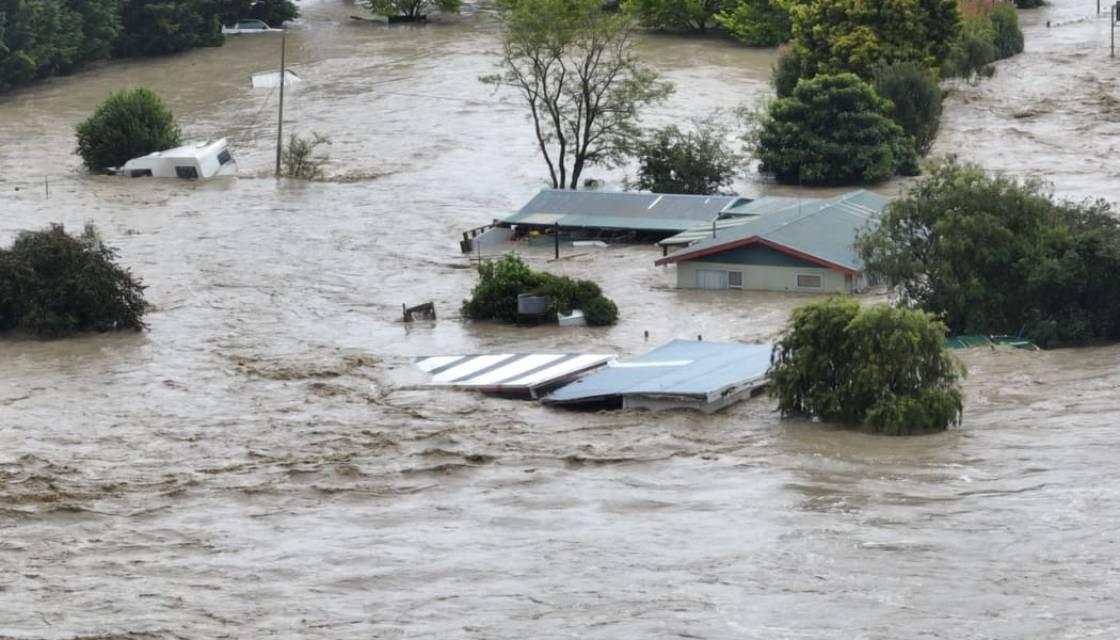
(187, 171)
(140, 173)
(224, 156)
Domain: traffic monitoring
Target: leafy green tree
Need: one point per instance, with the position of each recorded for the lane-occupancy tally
(300, 160)
(881, 367)
(836, 36)
(785, 73)
(274, 13)
(972, 53)
(698, 162)
(757, 23)
(576, 70)
(992, 255)
(1007, 37)
(915, 97)
(502, 280)
(158, 27)
(39, 38)
(411, 8)
(53, 284)
(129, 124)
(674, 15)
(833, 130)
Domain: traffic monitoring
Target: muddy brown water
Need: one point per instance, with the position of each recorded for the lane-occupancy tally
(262, 462)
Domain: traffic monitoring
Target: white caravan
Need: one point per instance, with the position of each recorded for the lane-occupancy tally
(200, 160)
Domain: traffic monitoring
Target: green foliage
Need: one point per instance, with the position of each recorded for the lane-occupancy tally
(502, 280)
(835, 36)
(157, 27)
(990, 255)
(300, 160)
(697, 162)
(915, 97)
(833, 130)
(881, 367)
(1007, 38)
(411, 8)
(129, 124)
(576, 69)
(785, 73)
(273, 12)
(757, 23)
(39, 38)
(673, 15)
(53, 284)
(600, 311)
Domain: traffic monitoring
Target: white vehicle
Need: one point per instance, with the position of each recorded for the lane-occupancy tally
(200, 160)
(248, 26)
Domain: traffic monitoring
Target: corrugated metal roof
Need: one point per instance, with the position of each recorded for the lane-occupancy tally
(765, 204)
(823, 230)
(679, 368)
(507, 371)
(620, 210)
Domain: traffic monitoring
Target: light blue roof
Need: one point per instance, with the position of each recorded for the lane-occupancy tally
(679, 368)
(823, 230)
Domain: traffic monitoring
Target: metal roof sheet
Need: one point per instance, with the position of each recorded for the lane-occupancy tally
(507, 371)
(678, 368)
(621, 210)
(824, 230)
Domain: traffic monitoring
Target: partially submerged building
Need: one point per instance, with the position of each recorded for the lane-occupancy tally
(805, 246)
(683, 374)
(617, 215)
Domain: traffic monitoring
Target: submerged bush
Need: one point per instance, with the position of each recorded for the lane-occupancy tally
(300, 160)
(698, 162)
(785, 73)
(129, 124)
(53, 284)
(882, 367)
(1007, 37)
(502, 280)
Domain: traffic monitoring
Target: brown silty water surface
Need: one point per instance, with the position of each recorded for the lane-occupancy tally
(262, 462)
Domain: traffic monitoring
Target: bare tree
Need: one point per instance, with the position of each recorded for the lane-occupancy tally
(576, 69)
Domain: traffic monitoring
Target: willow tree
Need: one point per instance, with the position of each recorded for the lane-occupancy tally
(576, 70)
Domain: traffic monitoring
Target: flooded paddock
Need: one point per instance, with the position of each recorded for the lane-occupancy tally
(262, 462)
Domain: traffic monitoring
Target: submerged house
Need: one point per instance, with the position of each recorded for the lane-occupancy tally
(805, 246)
(617, 215)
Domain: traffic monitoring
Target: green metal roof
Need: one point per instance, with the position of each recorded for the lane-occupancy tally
(620, 210)
(823, 230)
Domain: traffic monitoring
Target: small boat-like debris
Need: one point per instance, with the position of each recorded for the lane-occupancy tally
(248, 26)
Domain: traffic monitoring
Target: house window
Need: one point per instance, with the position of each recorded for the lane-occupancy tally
(807, 281)
(224, 156)
(735, 279)
(140, 173)
(187, 172)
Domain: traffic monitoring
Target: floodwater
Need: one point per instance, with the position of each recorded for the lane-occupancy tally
(262, 462)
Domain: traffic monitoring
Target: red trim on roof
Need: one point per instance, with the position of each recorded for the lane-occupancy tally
(720, 248)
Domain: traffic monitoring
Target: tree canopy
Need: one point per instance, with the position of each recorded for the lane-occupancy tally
(699, 161)
(757, 23)
(674, 15)
(575, 68)
(833, 130)
(411, 8)
(993, 255)
(915, 97)
(836, 36)
(129, 124)
(881, 367)
(53, 284)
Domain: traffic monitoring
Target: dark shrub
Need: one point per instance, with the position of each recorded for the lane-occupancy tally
(53, 284)
(1007, 38)
(785, 73)
(600, 311)
(915, 98)
(129, 124)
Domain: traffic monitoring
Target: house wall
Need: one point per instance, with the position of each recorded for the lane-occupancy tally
(766, 278)
(757, 254)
